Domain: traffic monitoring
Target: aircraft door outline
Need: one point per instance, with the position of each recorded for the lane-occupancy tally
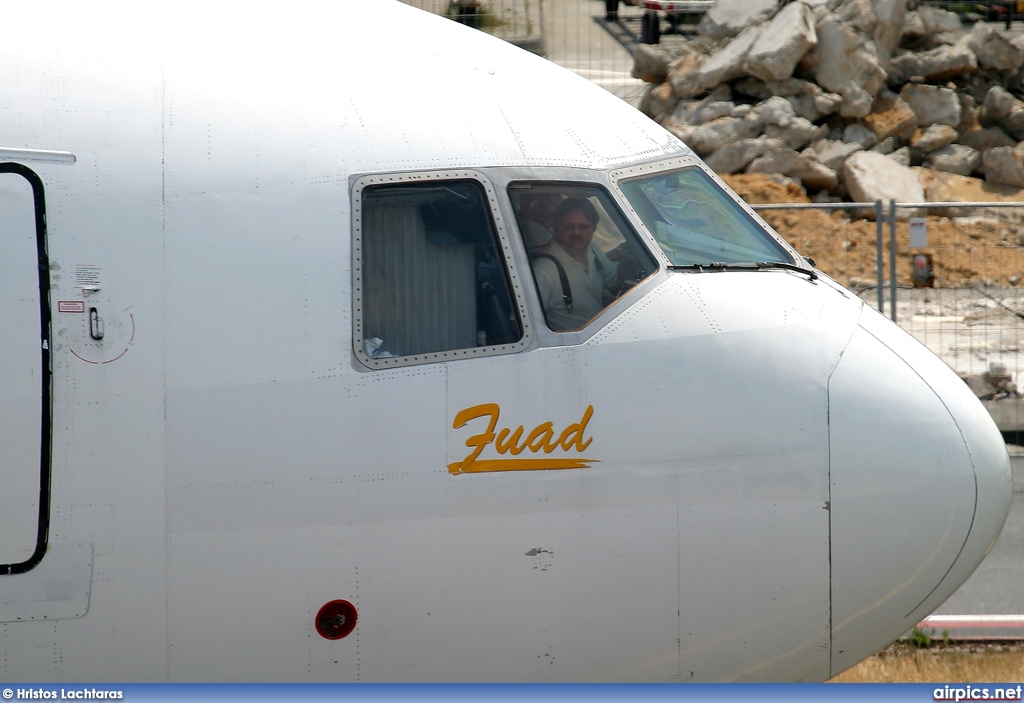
(16, 311)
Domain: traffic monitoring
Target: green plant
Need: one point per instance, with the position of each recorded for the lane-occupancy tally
(924, 637)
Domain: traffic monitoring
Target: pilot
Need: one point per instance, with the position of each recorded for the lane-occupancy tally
(574, 277)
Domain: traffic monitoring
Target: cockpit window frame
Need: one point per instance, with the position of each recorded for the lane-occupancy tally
(618, 176)
(358, 185)
(623, 223)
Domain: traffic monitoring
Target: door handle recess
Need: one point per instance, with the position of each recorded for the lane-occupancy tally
(95, 324)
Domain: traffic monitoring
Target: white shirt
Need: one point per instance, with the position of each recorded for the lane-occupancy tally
(586, 284)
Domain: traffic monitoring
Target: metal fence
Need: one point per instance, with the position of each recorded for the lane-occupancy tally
(951, 274)
(512, 20)
(572, 33)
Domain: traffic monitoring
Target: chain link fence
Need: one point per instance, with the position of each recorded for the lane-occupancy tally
(511, 20)
(576, 34)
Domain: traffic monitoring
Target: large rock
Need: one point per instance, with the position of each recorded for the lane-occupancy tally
(762, 90)
(693, 111)
(891, 15)
(1005, 166)
(782, 43)
(727, 18)
(968, 112)
(859, 134)
(832, 153)
(709, 137)
(939, 64)
(774, 111)
(858, 14)
(1013, 124)
(895, 118)
(869, 176)
(954, 158)
(886, 146)
(816, 176)
(736, 156)
(797, 134)
(712, 111)
(913, 29)
(810, 173)
(900, 156)
(997, 105)
(808, 99)
(932, 105)
(936, 20)
(682, 131)
(847, 65)
(718, 103)
(651, 63)
(727, 63)
(815, 106)
(992, 49)
(934, 137)
(982, 138)
(658, 101)
(1004, 110)
(682, 73)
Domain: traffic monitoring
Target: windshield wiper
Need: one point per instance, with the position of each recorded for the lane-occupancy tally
(809, 272)
(751, 266)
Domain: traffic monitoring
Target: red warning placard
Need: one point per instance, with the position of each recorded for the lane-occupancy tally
(70, 306)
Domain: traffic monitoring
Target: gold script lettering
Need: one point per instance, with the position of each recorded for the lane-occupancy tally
(478, 440)
(512, 445)
(577, 429)
(540, 438)
(507, 441)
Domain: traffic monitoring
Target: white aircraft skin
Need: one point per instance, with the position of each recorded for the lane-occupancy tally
(751, 475)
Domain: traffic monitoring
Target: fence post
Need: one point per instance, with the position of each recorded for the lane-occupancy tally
(878, 257)
(892, 260)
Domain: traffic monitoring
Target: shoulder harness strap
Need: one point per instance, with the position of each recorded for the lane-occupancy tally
(566, 290)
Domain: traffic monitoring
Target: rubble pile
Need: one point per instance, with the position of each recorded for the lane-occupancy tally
(996, 384)
(854, 99)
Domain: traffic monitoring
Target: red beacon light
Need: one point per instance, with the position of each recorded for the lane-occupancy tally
(336, 620)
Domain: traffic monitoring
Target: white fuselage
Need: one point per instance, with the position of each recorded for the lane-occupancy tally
(751, 475)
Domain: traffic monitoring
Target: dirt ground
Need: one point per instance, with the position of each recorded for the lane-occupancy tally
(983, 247)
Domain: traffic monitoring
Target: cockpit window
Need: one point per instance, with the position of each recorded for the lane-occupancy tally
(583, 252)
(696, 223)
(431, 278)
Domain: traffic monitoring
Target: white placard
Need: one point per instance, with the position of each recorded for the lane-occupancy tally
(918, 232)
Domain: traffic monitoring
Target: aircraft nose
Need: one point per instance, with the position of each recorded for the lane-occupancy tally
(920, 487)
